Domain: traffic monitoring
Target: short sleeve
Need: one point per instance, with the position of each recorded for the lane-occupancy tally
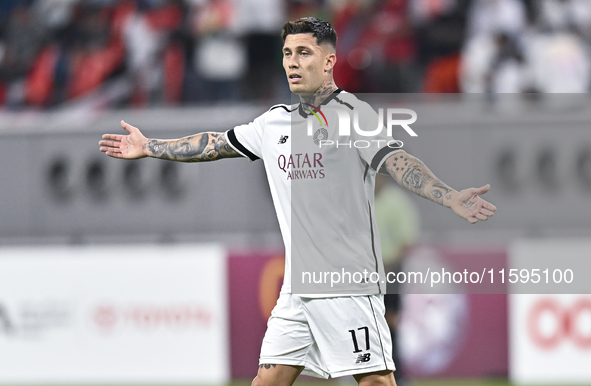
(374, 149)
(247, 139)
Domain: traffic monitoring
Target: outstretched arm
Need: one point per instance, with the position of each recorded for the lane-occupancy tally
(412, 174)
(195, 148)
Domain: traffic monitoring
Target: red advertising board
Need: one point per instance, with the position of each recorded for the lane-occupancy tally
(255, 279)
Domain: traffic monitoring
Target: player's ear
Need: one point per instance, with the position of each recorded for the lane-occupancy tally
(331, 60)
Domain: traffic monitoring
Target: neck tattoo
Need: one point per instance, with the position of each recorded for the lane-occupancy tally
(321, 94)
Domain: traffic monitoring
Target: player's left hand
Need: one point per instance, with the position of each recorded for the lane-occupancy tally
(468, 204)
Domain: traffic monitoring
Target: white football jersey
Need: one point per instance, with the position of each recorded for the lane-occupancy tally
(321, 174)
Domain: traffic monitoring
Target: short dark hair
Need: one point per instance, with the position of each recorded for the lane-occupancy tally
(320, 29)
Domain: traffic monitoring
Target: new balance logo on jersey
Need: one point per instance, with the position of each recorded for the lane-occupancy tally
(362, 358)
(282, 139)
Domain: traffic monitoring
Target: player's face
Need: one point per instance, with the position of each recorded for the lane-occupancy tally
(306, 63)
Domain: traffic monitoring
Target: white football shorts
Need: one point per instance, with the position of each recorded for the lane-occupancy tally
(334, 337)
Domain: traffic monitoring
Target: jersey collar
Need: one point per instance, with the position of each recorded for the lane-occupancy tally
(324, 102)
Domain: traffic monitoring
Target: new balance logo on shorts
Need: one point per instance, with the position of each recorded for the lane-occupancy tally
(283, 139)
(362, 358)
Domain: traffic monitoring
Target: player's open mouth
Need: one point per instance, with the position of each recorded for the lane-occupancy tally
(294, 78)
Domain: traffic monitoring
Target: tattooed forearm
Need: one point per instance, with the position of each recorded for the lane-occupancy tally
(440, 192)
(413, 174)
(415, 179)
(196, 148)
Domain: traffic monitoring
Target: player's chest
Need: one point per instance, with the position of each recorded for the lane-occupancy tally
(291, 154)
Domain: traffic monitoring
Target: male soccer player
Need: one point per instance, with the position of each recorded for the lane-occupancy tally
(332, 334)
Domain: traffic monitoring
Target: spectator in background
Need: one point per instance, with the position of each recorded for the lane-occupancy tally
(48, 82)
(96, 53)
(24, 38)
(494, 64)
(258, 24)
(558, 50)
(391, 38)
(83, 52)
(52, 51)
(350, 20)
(220, 55)
(502, 55)
(440, 28)
(155, 62)
(143, 45)
(492, 60)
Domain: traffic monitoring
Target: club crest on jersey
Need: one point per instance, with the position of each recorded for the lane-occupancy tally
(282, 139)
(320, 135)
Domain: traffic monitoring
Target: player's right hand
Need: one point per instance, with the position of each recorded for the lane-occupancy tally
(129, 146)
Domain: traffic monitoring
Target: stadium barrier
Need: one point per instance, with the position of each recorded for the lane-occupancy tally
(118, 315)
(196, 313)
(550, 334)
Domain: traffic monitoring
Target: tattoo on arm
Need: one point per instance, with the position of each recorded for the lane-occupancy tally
(440, 192)
(267, 366)
(415, 178)
(411, 173)
(196, 148)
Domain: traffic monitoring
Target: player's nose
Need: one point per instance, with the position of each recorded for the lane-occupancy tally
(291, 62)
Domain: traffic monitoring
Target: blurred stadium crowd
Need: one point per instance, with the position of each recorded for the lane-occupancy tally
(169, 52)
